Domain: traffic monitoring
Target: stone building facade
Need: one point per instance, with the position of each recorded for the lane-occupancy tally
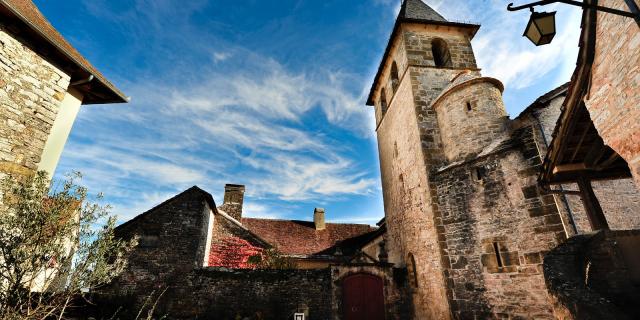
(44, 81)
(463, 210)
(198, 255)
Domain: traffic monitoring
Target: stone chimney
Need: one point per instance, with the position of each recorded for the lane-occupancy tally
(318, 218)
(233, 198)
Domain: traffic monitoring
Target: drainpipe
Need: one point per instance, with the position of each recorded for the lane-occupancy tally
(562, 192)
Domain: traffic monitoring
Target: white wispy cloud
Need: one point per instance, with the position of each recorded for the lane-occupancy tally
(241, 118)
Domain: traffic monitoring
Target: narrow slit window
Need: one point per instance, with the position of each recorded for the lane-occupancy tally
(383, 102)
(496, 248)
(469, 107)
(478, 173)
(411, 268)
(395, 80)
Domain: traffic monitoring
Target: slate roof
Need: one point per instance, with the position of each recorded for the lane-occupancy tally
(416, 9)
(294, 237)
(39, 30)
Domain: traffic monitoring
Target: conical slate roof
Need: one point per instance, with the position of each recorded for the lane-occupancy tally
(416, 9)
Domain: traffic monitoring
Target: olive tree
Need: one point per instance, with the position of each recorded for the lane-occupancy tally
(56, 245)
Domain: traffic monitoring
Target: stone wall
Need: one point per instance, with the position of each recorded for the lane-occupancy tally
(465, 131)
(619, 199)
(613, 97)
(595, 276)
(228, 294)
(32, 90)
(407, 203)
(498, 227)
(171, 242)
(410, 146)
(396, 291)
(252, 294)
(418, 38)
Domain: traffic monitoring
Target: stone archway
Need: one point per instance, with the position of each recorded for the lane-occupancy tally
(363, 297)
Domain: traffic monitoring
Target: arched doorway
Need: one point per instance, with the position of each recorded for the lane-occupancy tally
(363, 297)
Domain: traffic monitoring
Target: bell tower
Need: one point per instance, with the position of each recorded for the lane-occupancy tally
(425, 54)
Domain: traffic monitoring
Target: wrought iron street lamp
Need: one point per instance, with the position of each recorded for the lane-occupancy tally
(541, 27)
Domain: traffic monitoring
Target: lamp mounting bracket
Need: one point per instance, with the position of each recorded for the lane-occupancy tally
(633, 13)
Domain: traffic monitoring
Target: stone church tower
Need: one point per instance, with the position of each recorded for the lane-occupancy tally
(448, 160)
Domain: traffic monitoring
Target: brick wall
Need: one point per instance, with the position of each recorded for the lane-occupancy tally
(32, 90)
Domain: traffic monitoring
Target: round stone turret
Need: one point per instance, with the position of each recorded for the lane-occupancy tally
(471, 114)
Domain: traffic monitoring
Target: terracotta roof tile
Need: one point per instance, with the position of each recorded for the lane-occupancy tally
(27, 11)
(296, 237)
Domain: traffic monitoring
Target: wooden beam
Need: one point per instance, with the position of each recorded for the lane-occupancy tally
(596, 152)
(569, 167)
(591, 205)
(584, 134)
(609, 161)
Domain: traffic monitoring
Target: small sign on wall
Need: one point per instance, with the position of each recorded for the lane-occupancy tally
(298, 316)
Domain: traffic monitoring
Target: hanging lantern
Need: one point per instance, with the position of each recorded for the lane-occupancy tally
(541, 27)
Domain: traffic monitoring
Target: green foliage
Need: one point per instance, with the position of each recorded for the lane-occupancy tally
(55, 246)
(271, 259)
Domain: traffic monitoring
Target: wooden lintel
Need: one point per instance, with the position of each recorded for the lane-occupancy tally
(569, 167)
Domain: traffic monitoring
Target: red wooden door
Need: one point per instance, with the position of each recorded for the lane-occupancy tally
(362, 298)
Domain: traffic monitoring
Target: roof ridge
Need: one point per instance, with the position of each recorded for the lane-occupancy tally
(335, 223)
(163, 203)
(29, 13)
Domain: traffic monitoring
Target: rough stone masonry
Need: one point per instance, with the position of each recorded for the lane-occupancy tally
(32, 90)
(459, 178)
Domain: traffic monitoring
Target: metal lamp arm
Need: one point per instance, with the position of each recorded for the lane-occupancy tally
(633, 14)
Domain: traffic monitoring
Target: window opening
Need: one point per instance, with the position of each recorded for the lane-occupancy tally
(413, 276)
(395, 80)
(469, 107)
(496, 248)
(383, 102)
(478, 173)
(441, 54)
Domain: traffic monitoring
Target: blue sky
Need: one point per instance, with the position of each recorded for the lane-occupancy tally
(269, 94)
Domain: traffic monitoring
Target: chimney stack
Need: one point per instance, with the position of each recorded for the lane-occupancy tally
(318, 218)
(233, 198)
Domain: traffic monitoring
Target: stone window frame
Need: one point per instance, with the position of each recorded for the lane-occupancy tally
(496, 256)
(478, 173)
(441, 54)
